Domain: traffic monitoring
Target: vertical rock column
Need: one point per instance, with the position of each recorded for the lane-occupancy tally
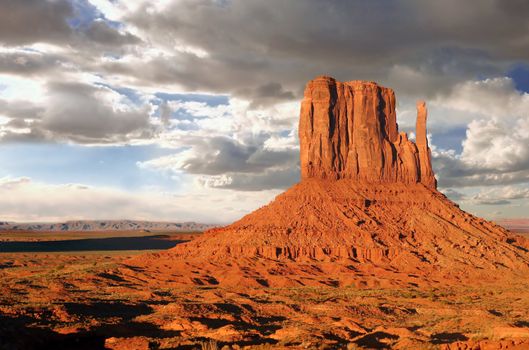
(426, 175)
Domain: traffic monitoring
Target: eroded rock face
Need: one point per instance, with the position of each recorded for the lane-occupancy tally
(349, 130)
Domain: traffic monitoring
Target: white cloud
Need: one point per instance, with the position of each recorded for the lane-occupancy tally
(491, 98)
(215, 181)
(83, 111)
(231, 145)
(501, 195)
(22, 199)
(496, 145)
(281, 143)
(495, 149)
(20, 88)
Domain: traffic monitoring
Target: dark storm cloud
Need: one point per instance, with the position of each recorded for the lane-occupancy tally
(266, 51)
(24, 22)
(251, 42)
(268, 94)
(28, 21)
(261, 51)
(17, 123)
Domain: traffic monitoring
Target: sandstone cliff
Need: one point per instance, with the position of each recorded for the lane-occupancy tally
(349, 131)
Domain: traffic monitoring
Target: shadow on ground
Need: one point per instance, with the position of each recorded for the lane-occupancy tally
(447, 338)
(91, 244)
(23, 332)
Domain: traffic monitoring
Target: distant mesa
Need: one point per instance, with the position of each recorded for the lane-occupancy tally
(366, 211)
(515, 225)
(106, 225)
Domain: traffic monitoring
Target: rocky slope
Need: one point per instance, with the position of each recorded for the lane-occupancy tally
(366, 211)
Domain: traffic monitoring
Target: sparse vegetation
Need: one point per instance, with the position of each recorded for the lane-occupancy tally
(97, 292)
(209, 345)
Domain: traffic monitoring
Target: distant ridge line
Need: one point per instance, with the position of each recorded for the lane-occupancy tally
(106, 225)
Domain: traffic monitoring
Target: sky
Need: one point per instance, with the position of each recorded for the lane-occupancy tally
(187, 110)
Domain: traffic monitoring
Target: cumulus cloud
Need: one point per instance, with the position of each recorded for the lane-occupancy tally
(225, 163)
(86, 112)
(453, 194)
(230, 146)
(497, 146)
(227, 145)
(81, 112)
(495, 149)
(501, 196)
(253, 48)
(495, 97)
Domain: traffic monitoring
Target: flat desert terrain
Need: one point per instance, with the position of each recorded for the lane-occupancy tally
(90, 298)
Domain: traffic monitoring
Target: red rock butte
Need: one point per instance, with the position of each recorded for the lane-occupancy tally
(366, 211)
(349, 131)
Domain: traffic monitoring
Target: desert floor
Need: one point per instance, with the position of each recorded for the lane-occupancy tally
(75, 290)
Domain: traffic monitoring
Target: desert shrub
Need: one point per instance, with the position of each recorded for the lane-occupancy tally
(209, 345)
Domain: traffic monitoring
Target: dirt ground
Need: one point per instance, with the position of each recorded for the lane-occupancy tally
(94, 300)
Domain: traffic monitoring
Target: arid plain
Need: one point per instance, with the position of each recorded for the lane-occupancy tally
(95, 300)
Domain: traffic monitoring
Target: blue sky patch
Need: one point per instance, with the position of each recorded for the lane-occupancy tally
(84, 14)
(520, 75)
(94, 166)
(131, 94)
(210, 100)
(450, 138)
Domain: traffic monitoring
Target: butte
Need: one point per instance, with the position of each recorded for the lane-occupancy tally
(366, 212)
